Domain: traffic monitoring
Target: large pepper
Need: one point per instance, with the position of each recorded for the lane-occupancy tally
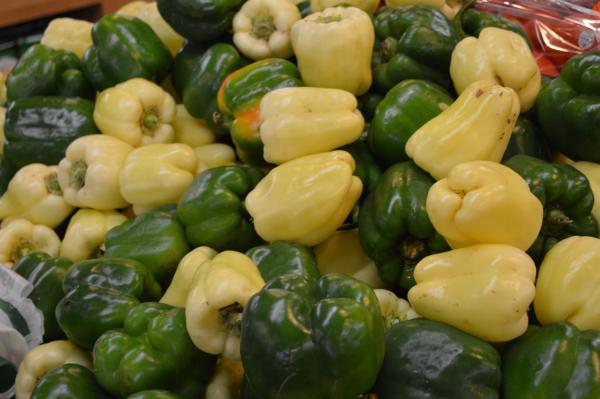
(44, 71)
(413, 42)
(474, 21)
(240, 96)
(405, 108)
(527, 139)
(46, 274)
(69, 381)
(68, 34)
(212, 209)
(427, 359)
(312, 339)
(393, 225)
(124, 47)
(152, 351)
(156, 239)
(591, 171)
(280, 257)
(554, 362)
(333, 48)
(20, 237)
(566, 196)
(568, 108)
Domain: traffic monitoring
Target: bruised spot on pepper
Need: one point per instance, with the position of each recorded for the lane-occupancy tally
(478, 93)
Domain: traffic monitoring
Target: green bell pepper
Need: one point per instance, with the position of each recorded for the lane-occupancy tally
(527, 139)
(405, 108)
(198, 79)
(412, 42)
(394, 228)
(569, 108)
(124, 48)
(239, 97)
(313, 339)
(46, 274)
(69, 381)
(567, 198)
(367, 168)
(367, 103)
(473, 22)
(428, 359)
(212, 209)
(44, 71)
(156, 239)
(199, 20)
(280, 258)
(556, 361)
(154, 394)
(152, 351)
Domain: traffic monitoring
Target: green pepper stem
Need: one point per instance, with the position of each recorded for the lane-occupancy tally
(232, 318)
(555, 221)
(262, 26)
(150, 120)
(52, 186)
(77, 174)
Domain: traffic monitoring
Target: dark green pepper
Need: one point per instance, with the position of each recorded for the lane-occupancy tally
(394, 228)
(367, 103)
(367, 169)
(474, 21)
(280, 257)
(154, 394)
(527, 139)
(69, 381)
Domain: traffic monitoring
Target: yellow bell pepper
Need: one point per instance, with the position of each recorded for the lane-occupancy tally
(157, 174)
(568, 285)
(69, 34)
(484, 290)
(221, 289)
(483, 202)
(592, 172)
(226, 381)
(177, 293)
(2, 90)
(148, 12)
(305, 200)
(342, 253)
(297, 121)
(86, 233)
(334, 47)
(261, 28)
(448, 7)
(138, 112)
(21, 237)
(189, 130)
(476, 127)
(214, 155)
(45, 358)
(394, 309)
(89, 173)
(34, 194)
(369, 6)
(499, 56)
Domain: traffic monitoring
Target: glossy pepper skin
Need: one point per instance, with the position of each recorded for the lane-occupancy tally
(473, 22)
(213, 212)
(152, 351)
(199, 74)
(394, 228)
(46, 274)
(44, 71)
(240, 95)
(124, 48)
(527, 139)
(280, 257)
(400, 52)
(566, 196)
(156, 239)
(69, 381)
(367, 166)
(405, 108)
(552, 362)
(568, 108)
(427, 359)
(39, 129)
(323, 339)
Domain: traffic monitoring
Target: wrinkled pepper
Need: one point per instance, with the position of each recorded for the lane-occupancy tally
(69, 380)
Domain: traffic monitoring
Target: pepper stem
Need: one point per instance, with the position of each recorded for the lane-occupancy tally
(328, 19)
(555, 221)
(77, 174)
(262, 26)
(149, 121)
(23, 248)
(231, 316)
(52, 186)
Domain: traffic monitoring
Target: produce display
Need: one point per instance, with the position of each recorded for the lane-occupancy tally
(273, 199)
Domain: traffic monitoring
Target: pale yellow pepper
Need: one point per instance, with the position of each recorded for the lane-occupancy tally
(298, 121)
(45, 358)
(476, 127)
(214, 155)
(86, 233)
(221, 289)
(157, 174)
(89, 173)
(448, 7)
(334, 47)
(484, 290)
(483, 202)
(394, 309)
(305, 200)
(499, 56)
(189, 130)
(568, 285)
(369, 6)
(226, 380)
(342, 253)
(21, 237)
(2, 89)
(148, 12)
(34, 194)
(69, 34)
(138, 112)
(261, 28)
(592, 172)
(177, 293)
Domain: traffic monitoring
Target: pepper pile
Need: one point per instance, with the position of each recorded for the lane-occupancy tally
(267, 200)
